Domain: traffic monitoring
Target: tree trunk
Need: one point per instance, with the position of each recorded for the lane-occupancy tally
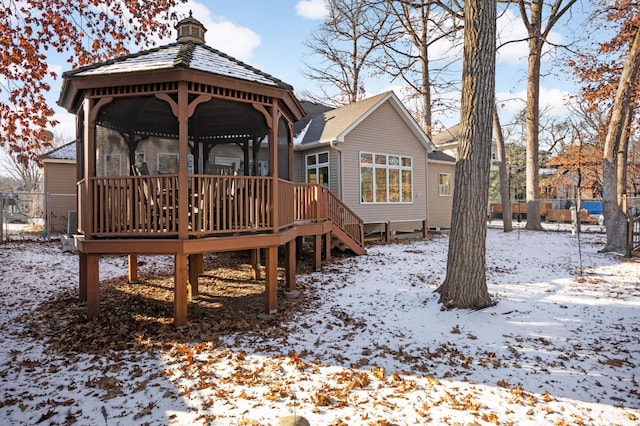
(426, 88)
(507, 224)
(533, 119)
(465, 285)
(614, 218)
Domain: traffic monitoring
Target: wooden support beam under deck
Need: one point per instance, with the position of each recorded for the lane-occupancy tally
(290, 267)
(82, 276)
(195, 262)
(255, 264)
(180, 296)
(133, 269)
(327, 247)
(271, 290)
(317, 252)
(93, 285)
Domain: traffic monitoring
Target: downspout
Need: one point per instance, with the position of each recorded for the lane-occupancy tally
(333, 145)
(426, 183)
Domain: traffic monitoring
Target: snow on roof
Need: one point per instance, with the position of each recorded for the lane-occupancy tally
(297, 140)
(180, 55)
(64, 152)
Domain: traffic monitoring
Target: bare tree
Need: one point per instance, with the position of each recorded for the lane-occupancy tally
(507, 226)
(465, 285)
(539, 24)
(27, 174)
(423, 24)
(615, 147)
(345, 42)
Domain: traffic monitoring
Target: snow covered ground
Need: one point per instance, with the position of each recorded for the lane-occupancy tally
(561, 347)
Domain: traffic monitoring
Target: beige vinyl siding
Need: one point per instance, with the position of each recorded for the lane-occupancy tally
(384, 132)
(439, 206)
(60, 185)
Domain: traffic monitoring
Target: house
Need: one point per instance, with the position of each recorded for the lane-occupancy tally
(60, 179)
(375, 157)
(184, 150)
(447, 141)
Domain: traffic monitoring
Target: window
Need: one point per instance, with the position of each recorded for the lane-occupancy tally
(385, 178)
(112, 165)
(444, 184)
(317, 166)
(168, 163)
(140, 158)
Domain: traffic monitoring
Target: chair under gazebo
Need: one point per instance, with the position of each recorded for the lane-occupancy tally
(184, 150)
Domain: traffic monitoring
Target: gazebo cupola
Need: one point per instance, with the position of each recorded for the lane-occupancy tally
(190, 29)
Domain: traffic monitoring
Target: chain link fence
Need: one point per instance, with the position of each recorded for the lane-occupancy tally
(36, 215)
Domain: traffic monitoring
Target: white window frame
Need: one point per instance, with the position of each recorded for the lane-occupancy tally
(444, 190)
(317, 166)
(400, 168)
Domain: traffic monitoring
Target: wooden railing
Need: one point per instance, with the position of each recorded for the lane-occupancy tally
(343, 217)
(148, 205)
(134, 204)
(310, 203)
(141, 206)
(223, 204)
(315, 203)
(286, 203)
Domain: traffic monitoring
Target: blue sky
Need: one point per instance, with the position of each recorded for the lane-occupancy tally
(270, 35)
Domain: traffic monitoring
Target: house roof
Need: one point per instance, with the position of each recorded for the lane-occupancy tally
(180, 55)
(450, 135)
(334, 124)
(64, 152)
(440, 156)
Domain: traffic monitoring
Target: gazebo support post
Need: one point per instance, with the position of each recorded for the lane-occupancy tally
(194, 272)
(290, 268)
(317, 252)
(255, 264)
(82, 276)
(271, 290)
(180, 296)
(327, 247)
(133, 269)
(93, 285)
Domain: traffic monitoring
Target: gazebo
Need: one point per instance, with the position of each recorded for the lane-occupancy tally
(184, 150)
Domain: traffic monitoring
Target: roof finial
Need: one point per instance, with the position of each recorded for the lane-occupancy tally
(190, 29)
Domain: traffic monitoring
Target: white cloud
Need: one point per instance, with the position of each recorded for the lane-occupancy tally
(233, 40)
(553, 101)
(222, 34)
(312, 9)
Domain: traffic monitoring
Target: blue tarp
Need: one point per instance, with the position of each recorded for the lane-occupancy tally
(594, 207)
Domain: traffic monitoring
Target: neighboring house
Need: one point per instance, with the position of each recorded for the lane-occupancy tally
(60, 180)
(374, 156)
(447, 141)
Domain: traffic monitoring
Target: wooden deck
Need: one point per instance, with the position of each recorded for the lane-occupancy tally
(144, 215)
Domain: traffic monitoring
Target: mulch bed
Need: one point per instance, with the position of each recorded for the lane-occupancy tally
(140, 315)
